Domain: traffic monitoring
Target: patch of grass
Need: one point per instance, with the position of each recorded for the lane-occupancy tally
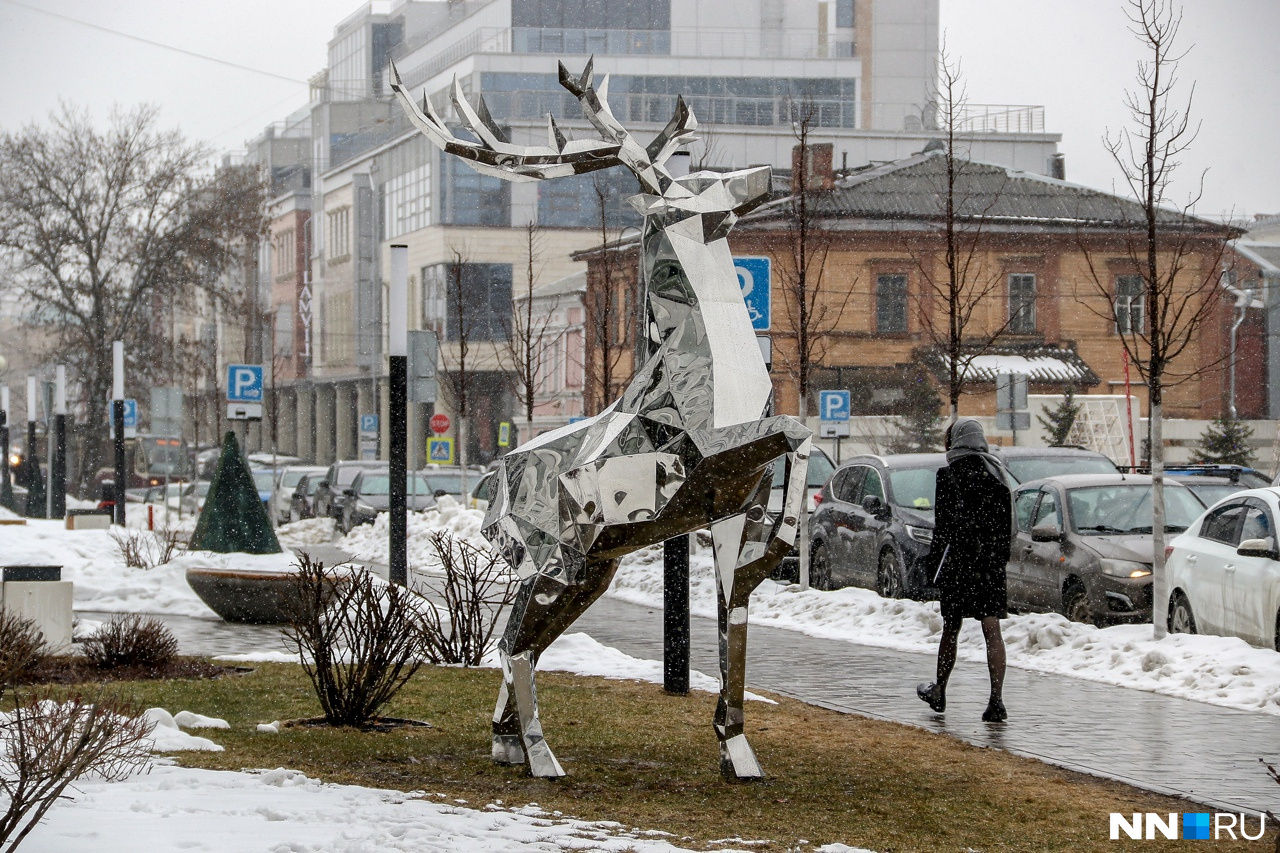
(649, 760)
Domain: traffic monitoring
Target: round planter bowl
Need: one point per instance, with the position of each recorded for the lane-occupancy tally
(247, 596)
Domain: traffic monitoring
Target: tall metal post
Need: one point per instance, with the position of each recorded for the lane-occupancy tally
(117, 422)
(6, 477)
(398, 412)
(58, 448)
(35, 507)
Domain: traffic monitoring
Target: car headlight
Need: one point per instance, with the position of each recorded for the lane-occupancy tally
(364, 507)
(1125, 569)
(920, 534)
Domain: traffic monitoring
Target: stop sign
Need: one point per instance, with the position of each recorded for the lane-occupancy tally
(439, 424)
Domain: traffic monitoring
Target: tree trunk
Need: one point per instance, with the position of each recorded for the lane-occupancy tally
(1159, 578)
(462, 454)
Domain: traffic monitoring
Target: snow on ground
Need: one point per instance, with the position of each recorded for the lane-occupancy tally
(308, 531)
(166, 736)
(175, 808)
(1217, 670)
(7, 514)
(368, 542)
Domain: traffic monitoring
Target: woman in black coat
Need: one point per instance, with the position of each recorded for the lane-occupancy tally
(971, 538)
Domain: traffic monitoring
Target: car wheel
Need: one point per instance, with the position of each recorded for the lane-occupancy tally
(1075, 604)
(1181, 619)
(888, 577)
(819, 567)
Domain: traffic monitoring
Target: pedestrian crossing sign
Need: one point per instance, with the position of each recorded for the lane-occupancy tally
(440, 450)
(504, 434)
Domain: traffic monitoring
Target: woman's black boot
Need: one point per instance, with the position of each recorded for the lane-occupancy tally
(934, 696)
(995, 712)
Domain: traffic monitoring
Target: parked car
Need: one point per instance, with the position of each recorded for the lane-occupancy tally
(302, 501)
(369, 495)
(264, 480)
(874, 524)
(483, 491)
(282, 493)
(1224, 571)
(193, 496)
(1211, 489)
(327, 502)
(447, 479)
(1035, 463)
(1248, 478)
(820, 470)
(1082, 545)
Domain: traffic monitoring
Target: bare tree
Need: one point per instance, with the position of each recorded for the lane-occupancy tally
(456, 328)
(610, 309)
(104, 231)
(531, 341)
(811, 312)
(964, 285)
(1173, 259)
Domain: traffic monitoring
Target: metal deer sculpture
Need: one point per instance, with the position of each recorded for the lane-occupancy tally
(689, 445)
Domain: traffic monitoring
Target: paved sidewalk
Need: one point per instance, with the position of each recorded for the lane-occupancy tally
(1175, 746)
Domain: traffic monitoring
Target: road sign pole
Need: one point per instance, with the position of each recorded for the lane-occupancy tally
(675, 615)
(117, 420)
(398, 414)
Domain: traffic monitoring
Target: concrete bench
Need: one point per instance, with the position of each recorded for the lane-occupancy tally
(40, 594)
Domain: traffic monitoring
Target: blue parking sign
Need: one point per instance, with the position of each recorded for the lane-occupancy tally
(369, 423)
(833, 405)
(244, 383)
(130, 414)
(755, 279)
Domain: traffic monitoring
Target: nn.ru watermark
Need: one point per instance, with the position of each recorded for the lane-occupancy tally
(1199, 826)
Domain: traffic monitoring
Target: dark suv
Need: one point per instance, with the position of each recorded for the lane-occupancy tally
(874, 524)
(329, 493)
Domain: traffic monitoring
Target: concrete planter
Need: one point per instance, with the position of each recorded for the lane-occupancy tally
(248, 596)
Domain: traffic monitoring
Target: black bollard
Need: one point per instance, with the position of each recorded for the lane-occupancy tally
(675, 615)
(122, 476)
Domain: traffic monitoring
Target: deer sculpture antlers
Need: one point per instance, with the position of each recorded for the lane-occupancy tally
(495, 155)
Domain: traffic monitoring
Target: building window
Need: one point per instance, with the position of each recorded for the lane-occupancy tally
(844, 13)
(470, 198)
(1022, 303)
(285, 248)
(1131, 303)
(471, 300)
(339, 235)
(575, 203)
(891, 304)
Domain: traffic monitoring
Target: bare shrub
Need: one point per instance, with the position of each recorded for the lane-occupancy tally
(360, 640)
(21, 647)
(46, 744)
(146, 549)
(462, 608)
(130, 641)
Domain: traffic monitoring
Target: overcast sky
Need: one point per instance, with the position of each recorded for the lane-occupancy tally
(1075, 57)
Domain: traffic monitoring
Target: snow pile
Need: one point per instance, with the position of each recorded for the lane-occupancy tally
(167, 737)
(1217, 670)
(283, 562)
(175, 808)
(308, 531)
(8, 515)
(91, 560)
(369, 542)
(582, 654)
(151, 516)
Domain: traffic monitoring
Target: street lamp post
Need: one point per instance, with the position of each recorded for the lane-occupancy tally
(117, 422)
(398, 412)
(58, 452)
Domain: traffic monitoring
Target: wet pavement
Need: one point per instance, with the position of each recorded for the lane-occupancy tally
(1174, 746)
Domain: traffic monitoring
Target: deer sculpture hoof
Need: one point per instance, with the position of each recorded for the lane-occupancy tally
(738, 760)
(508, 750)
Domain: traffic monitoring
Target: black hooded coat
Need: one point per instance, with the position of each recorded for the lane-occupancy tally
(973, 529)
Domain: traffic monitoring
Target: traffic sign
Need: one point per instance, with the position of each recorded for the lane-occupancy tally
(130, 418)
(244, 411)
(368, 424)
(440, 451)
(833, 429)
(504, 434)
(440, 424)
(244, 383)
(833, 405)
(755, 279)
(1011, 392)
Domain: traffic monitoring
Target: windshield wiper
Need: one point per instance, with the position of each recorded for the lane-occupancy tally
(1103, 528)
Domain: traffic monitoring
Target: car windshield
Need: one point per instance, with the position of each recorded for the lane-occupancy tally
(264, 481)
(1028, 468)
(380, 484)
(450, 484)
(313, 483)
(913, 487)
(1126, 508)
(1211, 493)
(820, 470)
(290, 478)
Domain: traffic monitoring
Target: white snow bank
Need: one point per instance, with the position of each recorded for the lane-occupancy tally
(167, 737)
(368, 542)
(7, 514)
(581, 654)
(1216, 670)
(308, 531)
(175, 808)
(189, 720)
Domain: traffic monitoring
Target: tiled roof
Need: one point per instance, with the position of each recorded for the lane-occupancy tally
(914, 189)
(1040, 363)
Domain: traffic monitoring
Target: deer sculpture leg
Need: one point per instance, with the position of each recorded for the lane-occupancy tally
(544, 608)
(747, 547)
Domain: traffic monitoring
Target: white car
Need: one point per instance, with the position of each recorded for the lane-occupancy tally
(1224, 571)
(282, 494)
